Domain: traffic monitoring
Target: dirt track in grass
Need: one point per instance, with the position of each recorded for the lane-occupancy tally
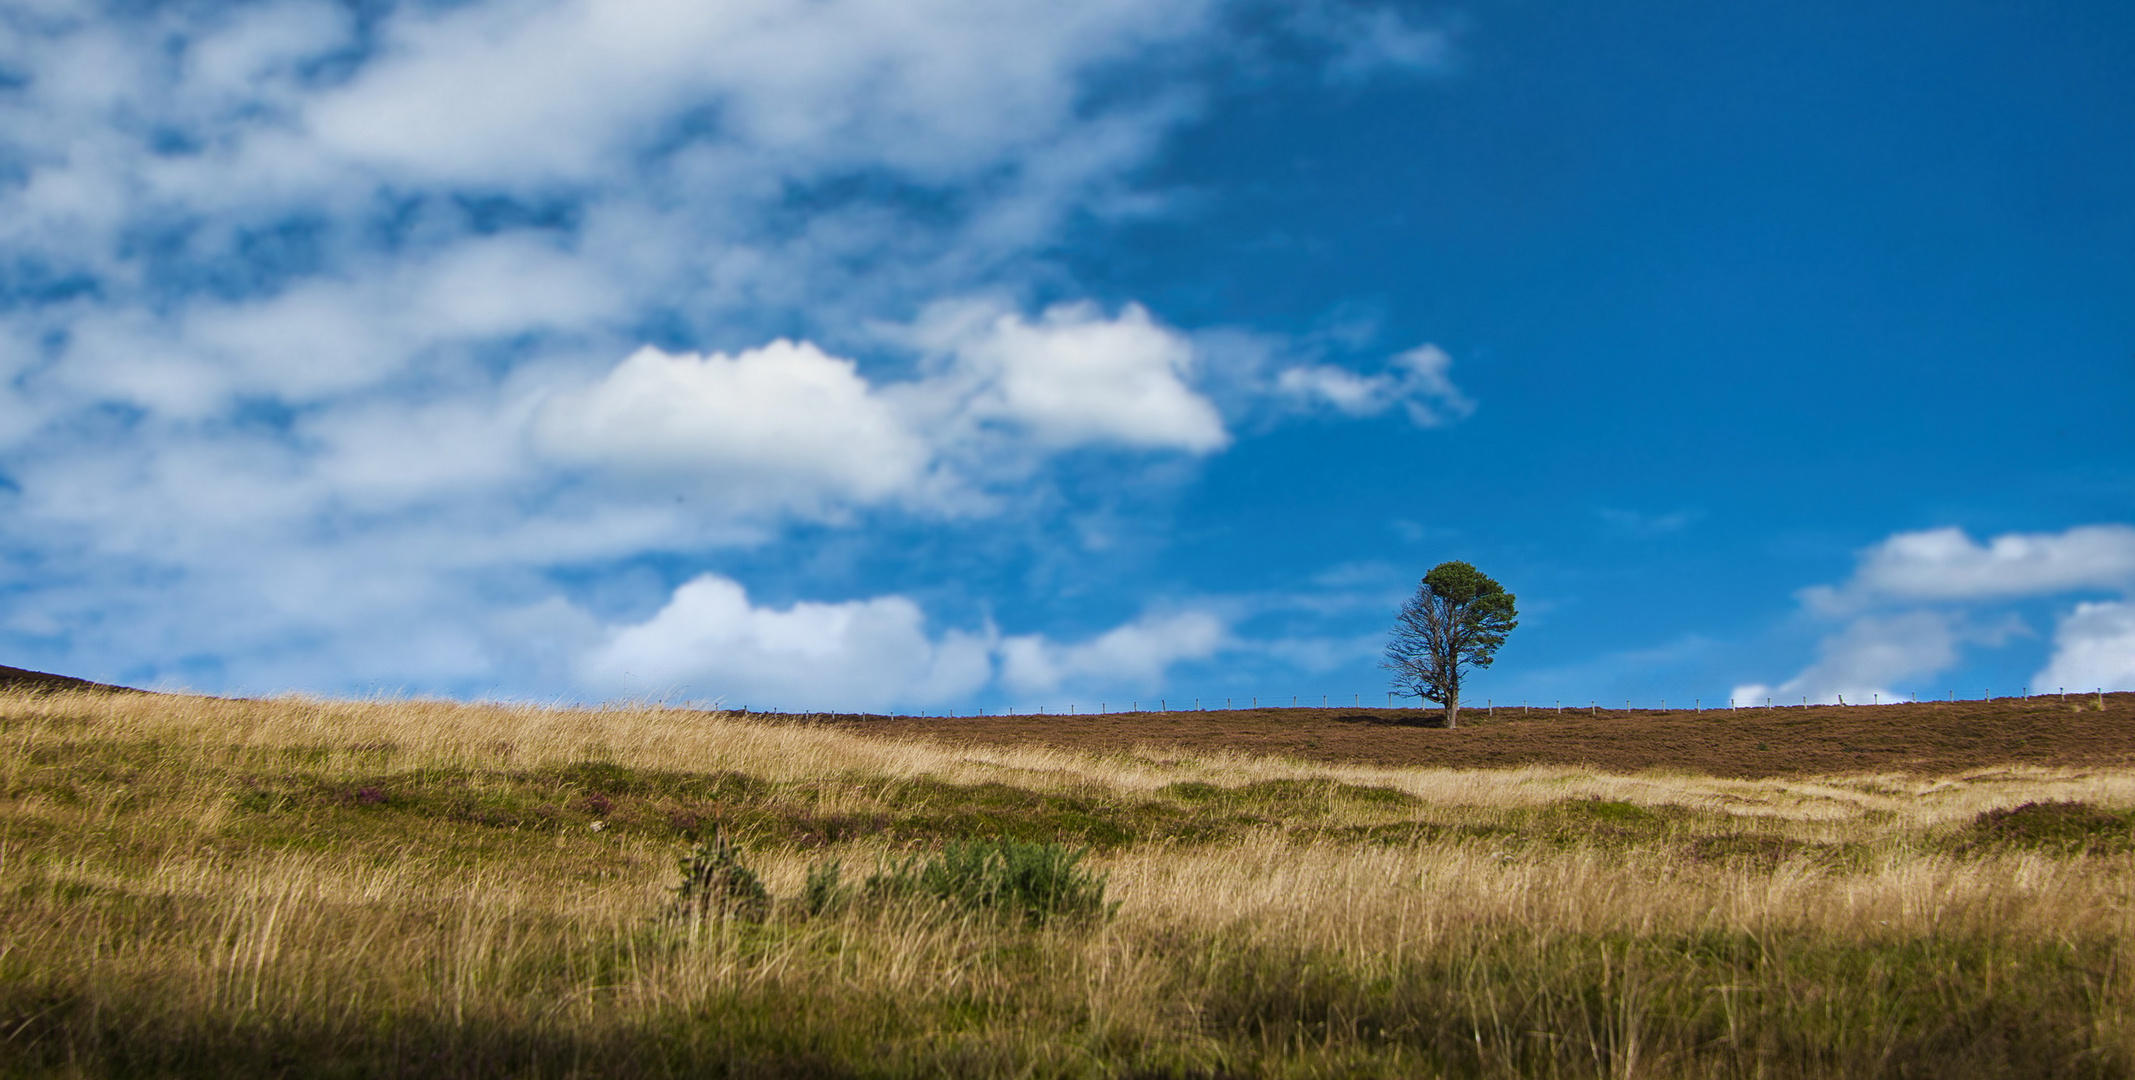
(1929, 738)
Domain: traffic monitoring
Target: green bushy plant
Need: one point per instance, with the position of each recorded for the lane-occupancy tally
(1014, 878)
(716, 883)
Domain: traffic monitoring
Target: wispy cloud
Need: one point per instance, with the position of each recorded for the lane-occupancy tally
(329, 340)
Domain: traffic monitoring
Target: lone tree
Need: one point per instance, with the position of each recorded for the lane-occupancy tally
(1456, 620)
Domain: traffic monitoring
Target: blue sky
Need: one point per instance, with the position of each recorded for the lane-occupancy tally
(946, 354)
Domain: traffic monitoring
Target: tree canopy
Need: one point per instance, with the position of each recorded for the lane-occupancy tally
(1456, 621)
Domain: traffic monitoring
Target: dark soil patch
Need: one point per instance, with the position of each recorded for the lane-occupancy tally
(1925, 738)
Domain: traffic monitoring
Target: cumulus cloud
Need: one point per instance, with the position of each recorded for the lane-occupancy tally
(1071, 377)
(2093, 649)
(710, 641)
(1916, 597)
(1137, 654)
(791, 426)
(1866, 659)
(783, 420)
(1947, 565)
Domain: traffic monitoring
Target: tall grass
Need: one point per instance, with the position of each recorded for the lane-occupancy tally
(199, 887)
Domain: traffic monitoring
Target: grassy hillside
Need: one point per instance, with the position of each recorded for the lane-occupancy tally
(204, 887)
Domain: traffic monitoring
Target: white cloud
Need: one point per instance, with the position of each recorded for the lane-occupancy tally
(2093, 648)
(1868, 659)
(782, 422)
(1916, 597)
(710, 641)
(498, 92)
(1073, 377)
(329, 382)
(1418, 381)
(790, 426)
(1946, 565)
(1138, 653)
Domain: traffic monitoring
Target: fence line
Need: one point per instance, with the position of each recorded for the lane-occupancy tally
(1488, 706)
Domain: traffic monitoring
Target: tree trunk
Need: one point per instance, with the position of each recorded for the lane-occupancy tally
(1453, 704)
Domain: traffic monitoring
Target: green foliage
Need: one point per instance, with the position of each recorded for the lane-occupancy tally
(715, 883)
(1033, 882)
(1457, 620)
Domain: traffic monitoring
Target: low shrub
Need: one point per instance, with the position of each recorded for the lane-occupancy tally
(715, 883)
(1034, 882)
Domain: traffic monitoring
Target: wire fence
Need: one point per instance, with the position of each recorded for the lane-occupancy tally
(1529, 707)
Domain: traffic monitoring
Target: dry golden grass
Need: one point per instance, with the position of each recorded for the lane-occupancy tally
(200, 886)
(357, 736)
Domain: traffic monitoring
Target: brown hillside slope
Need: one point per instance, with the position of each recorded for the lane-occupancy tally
(15, 678)
(1927, 738)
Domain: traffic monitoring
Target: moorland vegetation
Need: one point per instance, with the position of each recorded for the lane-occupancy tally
(198, 886)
